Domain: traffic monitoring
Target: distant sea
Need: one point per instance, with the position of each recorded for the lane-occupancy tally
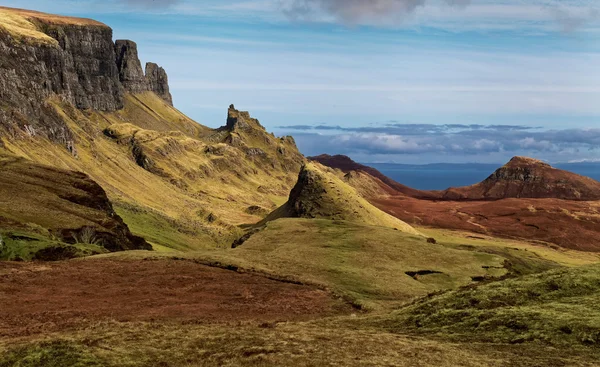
(441, 176)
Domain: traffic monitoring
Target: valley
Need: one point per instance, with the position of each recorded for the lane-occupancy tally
(131, 235)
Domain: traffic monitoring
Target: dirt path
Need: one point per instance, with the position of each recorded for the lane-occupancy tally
(45, 297)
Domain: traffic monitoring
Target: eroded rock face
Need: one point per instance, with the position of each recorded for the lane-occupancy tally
(80, 68)
(78, 63)
(131, 74)
(158, 82)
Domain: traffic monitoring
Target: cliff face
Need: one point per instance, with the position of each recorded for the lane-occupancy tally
(158, 82)
(79, 68)
(132, 76)
(70, 59)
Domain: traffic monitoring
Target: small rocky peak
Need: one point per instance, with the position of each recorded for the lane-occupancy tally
(516, 162)
(522, 169)
(158, 82)
(131, 74)
(241, 120)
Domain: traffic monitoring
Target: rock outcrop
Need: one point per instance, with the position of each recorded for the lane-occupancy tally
(131, 74)
(133, 77)
(158, 82)
(74, 61)
(524, 177)
(69, 205)
(45, 57)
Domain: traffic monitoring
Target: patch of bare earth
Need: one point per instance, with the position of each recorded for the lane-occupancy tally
(40, 298)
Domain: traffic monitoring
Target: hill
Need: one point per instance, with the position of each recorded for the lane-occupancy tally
(555, 307)
(346, 164)
(74, 99)
(524, 199)
(43, 209)
(524, 177)
(320, 194)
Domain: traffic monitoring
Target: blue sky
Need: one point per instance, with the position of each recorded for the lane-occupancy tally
(407, 81)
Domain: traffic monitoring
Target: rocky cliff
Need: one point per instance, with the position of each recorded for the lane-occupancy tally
(46, 58)
(132, 76)
(158, 82)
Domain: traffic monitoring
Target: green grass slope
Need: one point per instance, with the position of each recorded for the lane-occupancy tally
(320, 193)
(42, 207)
(366, 264)
(156, 163)
(557, 307)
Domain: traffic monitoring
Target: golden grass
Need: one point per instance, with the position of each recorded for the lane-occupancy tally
(203, 193)
(111, 344)
(325, 195)
(23, 25)
(564, 257)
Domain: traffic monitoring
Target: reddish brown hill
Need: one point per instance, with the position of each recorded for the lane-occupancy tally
(346, 164)
(529, 178)
(525, 199)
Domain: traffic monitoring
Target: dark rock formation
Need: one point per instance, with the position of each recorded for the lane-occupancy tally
(241, 121)
(79, 68)
(71, 60)
(131, 74)
(158, 82)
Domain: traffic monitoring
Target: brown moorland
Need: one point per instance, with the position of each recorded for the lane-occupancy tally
(40, 298)
(525, 199)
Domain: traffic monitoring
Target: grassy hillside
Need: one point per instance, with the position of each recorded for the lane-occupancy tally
(556, 307)
(43, 208)
(291, 344)
(155, 162)
(320, 193)
(23, 24)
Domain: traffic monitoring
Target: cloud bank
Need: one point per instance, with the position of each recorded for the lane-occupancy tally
(150, 4)
(357, 11)
(396, 140)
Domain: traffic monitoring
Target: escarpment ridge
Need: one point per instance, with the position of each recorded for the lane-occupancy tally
(70, 59)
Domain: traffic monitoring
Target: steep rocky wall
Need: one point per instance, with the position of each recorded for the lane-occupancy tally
(158, 82)
(133, 77)
(130, 68)
(76, 62)
(79, 68)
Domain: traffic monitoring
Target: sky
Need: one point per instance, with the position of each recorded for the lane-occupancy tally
(404, 81)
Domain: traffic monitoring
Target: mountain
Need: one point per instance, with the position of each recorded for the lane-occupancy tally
(529, 178)
(73, 99)
(346, 164)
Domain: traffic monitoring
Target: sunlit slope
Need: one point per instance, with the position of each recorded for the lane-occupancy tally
(46, 207)
(321, 193)
(556, 307)
(24, 24)
(186, 182)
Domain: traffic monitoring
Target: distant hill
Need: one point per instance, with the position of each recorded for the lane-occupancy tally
(524, 177)
(526, 198)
